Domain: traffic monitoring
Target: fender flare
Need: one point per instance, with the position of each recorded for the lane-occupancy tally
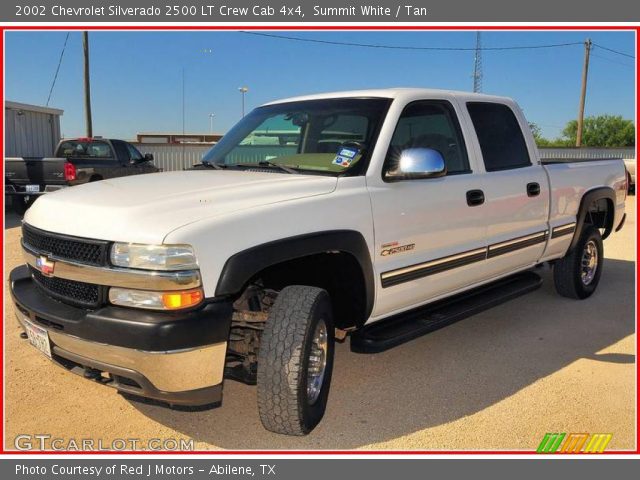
(588, 198)
(242, 266)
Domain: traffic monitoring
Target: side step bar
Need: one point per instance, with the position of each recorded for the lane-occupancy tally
(399, 329)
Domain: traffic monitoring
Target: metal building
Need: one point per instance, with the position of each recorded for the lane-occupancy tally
(31, 130)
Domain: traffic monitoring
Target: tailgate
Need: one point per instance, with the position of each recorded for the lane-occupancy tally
(35, 171)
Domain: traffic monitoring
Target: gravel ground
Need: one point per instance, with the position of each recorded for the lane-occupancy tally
(498, 380)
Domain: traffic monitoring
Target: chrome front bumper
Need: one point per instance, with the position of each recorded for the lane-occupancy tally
(167, 376)
(175, 357)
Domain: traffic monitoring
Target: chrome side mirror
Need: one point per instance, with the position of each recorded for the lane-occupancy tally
(418, 163)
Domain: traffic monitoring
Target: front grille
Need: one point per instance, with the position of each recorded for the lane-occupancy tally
(80, 250)
(70, 291)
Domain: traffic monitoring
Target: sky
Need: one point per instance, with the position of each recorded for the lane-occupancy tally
(136, 77)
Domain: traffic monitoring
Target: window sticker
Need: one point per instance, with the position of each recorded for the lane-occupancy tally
(345, 156)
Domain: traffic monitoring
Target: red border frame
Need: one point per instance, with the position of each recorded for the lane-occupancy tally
(295, 27)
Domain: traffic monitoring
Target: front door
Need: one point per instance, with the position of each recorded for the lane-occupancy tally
(430, 234)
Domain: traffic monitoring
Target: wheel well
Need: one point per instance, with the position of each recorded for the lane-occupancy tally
(339, 273)
(600, 214)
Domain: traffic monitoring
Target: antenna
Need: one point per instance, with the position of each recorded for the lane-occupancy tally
(477, 65)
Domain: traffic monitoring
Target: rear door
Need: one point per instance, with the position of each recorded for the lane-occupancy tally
(515, 187)
(429, 239)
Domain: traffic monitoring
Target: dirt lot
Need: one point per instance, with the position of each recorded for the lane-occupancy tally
(499, 380)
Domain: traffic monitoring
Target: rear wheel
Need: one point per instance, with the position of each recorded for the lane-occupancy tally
(295, 361)
(578, 273)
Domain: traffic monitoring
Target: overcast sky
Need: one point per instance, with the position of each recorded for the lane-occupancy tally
(137, 76)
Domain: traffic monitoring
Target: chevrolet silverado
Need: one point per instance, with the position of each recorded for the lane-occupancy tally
(378, 215)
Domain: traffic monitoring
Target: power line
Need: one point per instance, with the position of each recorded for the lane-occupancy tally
(408, 47)
(614, 51)
(612, 60)
(55, 77)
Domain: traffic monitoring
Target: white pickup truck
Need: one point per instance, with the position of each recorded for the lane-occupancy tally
(378, 214)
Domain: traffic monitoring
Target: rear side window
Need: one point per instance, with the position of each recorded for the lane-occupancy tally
(501, 140)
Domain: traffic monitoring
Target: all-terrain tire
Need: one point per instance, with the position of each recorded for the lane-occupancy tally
(568, 272)
(283, 361)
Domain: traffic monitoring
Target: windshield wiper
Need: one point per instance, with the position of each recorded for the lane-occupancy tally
(216, 166)
(284, 168)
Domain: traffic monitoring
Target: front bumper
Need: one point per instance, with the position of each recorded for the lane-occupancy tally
(175, 357)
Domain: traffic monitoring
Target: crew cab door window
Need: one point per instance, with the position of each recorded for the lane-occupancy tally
(429, 124)
(501, 141)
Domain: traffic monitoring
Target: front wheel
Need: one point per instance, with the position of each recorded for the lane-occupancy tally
(295, 361)
(578, 273)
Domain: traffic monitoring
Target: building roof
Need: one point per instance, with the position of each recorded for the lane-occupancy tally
(32, 108)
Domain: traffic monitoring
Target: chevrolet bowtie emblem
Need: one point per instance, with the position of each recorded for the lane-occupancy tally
(45, 266)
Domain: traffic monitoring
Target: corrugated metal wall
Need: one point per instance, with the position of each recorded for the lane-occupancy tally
(171, 157)
(588, 152)
(30, 133)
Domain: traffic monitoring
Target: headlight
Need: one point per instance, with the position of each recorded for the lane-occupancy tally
(153, 257)
(174, 300)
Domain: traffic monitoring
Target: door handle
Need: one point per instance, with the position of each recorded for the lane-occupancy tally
(475, 198)
(533, 189)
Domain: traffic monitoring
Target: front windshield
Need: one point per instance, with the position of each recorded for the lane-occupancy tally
(329, 135)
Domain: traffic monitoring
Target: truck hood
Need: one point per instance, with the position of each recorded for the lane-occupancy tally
(145, 208)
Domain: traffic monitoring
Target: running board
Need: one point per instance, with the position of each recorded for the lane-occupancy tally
(399, 329)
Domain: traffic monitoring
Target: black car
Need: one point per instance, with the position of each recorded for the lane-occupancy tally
(77, 161)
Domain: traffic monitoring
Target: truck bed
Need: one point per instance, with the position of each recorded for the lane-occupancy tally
(34, 171)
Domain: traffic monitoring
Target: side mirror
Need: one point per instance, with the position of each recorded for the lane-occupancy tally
(416, 163)
(148, 157)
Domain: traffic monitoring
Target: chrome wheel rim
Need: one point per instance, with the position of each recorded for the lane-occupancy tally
(317, 362)
(589, 262)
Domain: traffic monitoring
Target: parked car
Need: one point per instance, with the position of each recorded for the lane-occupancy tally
(250, 267)
(77, 161)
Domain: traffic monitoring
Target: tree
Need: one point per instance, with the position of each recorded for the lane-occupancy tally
(537, 135)
(602, 131)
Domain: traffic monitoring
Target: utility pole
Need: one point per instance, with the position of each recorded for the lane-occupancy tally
(184, 116)
(477, 65)
(211, 115)
(87, 84)
(583, 92)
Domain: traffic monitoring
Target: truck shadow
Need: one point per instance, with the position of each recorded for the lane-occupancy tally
(442, 377)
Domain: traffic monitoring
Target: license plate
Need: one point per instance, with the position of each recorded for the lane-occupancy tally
(33, 188)
(38, 337)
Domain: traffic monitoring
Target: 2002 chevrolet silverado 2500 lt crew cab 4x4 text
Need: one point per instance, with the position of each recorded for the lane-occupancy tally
(382, 214)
